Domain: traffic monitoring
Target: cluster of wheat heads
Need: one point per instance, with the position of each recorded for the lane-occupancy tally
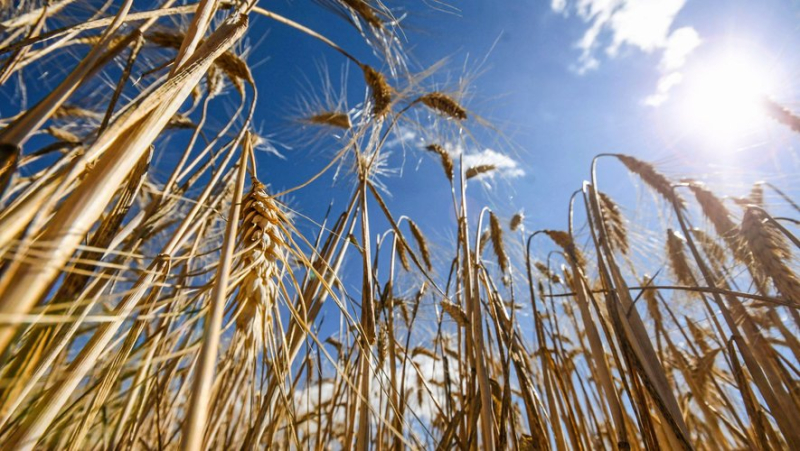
(140, 311)
(678, 335)
(148, 312)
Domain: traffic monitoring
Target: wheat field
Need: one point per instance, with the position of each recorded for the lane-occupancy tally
(161, 303)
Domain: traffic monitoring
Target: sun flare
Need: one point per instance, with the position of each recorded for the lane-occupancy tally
(724, 96)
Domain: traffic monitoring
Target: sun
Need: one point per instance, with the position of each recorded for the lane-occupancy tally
(724, 97)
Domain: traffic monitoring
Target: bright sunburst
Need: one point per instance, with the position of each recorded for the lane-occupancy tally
(724, 96)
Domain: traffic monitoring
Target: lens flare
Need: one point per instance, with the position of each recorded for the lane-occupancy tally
(724, 97)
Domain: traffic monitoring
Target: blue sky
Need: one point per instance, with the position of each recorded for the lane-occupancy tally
(557, 103)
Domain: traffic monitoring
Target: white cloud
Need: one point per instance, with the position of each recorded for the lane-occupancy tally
(559, 6)
(423, 398)
(680, 44)
(665, 84)
(402, 135)
(640, 24)
(643, 24)
(505, 166)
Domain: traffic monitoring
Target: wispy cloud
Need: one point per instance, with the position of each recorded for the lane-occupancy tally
(559, 6)
(664, 86)
(424, 388)
(401, 136)
(645, 25)
(504, 165)
(680, 44)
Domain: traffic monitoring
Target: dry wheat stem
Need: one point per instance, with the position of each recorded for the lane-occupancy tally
(86, 203)
(21, 129)
(207, 361)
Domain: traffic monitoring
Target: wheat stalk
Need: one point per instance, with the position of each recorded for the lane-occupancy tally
(444, 104)
(649, 175)
(480, 169)
(781, 114)
(772, 253)
(446, 159)
(381, 91)
(677, 259)
(262, 239)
